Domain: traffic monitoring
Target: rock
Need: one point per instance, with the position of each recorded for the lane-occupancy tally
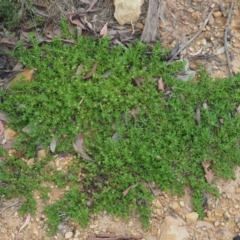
(235, 70)
(77, 234)
(217, 14)
(216, 223)
(219, 212)
(211, 220)
(9, 134)
(127, 12)
(34, 229)
(226, 216)
(203, 224)
(41, 153)
(175, 206)
(30, 162)
(68, 235)
(211, 21)
(157, 204)
(182, 204)
(237, 190)
(139, 25)
(171, 229)
(232, 211)
(191, 217)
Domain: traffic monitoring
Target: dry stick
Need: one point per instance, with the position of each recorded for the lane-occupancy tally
(193, 38)
(225, 37)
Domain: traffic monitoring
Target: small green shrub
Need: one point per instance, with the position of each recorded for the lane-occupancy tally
(162, 143)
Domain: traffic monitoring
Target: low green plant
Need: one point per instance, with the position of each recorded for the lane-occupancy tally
(135, 133)
(9, 13)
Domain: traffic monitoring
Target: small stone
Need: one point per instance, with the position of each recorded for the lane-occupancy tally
(139, 25)
(30, 162)
(195, 15)
(217, 14)
(157, 204)
(127, 12)
(238, 225)
(216, 223)
(116, 219)
(237, 190)
(226, 216)
(232, 211)
(191, 217)
(204, 42)
(222, 223)
(182, 204)
(9, 134)
(219, 212)
(235, 70)
(211, 220)
(34, 229)
(175, 206)
(77, 234)
(68, 235)
(41, 153)
(236, 206)
(211, 21)
(236, 220)
(209, 214)
(162, 25)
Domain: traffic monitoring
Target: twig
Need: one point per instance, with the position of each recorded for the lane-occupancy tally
(14, 204)
(225, 37)
(193, 38)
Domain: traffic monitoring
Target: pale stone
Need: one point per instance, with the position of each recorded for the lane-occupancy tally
(204, 224)
(77, 234)
(175, 206)
(217, 14)
(219, 212)
(9, 134)
(237, 190)
(139, 25)
(216, 223)
(68, 235)
(232, 211)
(41, 153)
(157, 204)
(182, 204)
(235, 70)
(34, 229)
(226, 216)
(30, 162)
(171, 229)
(127, 12)
(191, 217)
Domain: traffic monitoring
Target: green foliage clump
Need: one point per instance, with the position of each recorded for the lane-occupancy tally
(161, 142)
(9, 12)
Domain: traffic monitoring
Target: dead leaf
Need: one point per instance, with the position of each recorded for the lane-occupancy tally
(1, 127)
(104, 30)
(74, 19)
(27, 74)
(78, 147)
(3, 117)
(89, 74)
(79, 69)
(209, 174)
(8, 145)
(134, 112)
(125, 192)
(27, 221)
(198, 114)
(53, 144)
(160, 84)
(8, 40)
(138, 82)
